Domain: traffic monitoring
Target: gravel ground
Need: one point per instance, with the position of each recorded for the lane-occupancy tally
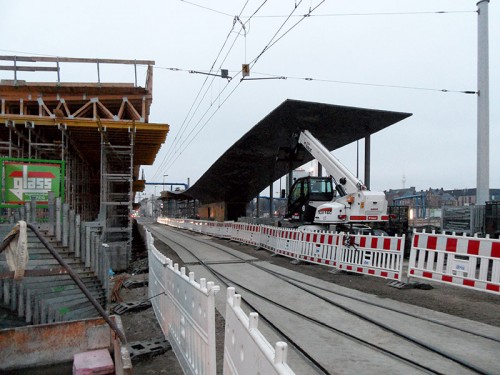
(469, 304)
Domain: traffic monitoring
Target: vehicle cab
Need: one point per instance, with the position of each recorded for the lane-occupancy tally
(306, 195)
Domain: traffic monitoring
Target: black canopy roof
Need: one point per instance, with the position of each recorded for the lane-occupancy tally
(251, 164)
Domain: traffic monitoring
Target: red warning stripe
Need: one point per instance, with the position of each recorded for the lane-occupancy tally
(35, 174)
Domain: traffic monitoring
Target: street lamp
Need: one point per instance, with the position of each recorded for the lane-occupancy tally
(165, 175)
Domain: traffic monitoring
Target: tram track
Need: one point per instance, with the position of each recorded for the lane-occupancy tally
(300, 285)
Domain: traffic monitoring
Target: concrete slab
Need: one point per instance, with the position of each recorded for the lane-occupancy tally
(95, 362)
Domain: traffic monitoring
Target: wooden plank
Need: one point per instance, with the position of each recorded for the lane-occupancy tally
(122, 108)
(87, 122)
(76, 60)
(106, 111)
(133, 112)
(79, 111)
(30, 68)
(68, 113)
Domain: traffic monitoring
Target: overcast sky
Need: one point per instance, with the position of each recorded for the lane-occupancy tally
(357, 53)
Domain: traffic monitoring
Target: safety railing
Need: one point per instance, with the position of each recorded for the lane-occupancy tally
(321, 247)
(185, 310)
(288, 242)
(372, 255)
(469, 262)
(246, 350)
(379, 256)
(246, 233)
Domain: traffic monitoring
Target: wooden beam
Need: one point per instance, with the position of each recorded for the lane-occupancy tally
(86, 122)
(76, 60)
(122, 108)
(29, 68)
(106, 111)
(78, 112)
(133, 112)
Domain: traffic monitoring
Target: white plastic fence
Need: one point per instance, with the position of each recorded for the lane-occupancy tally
(321, 247)
(380, 256)
(246, 351)
(469, 262)
(185, 311)
(211, 228)
(246, 233)
(288, 242)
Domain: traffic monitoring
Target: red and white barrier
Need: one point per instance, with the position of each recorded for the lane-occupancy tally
(246, 233)
(288, 242)
(370, 255)
(380, 256)
(268, 237)
(469, 262)
(320, 247)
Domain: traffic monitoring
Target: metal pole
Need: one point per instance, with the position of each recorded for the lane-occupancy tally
(98, 73)
(135, 71)
(58, 71)
(271, 193)
(367, 161)
(15, 70)
(483, 97)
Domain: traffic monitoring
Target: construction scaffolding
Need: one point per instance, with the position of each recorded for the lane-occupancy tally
(99, 130)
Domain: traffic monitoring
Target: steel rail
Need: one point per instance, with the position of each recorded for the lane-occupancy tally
(359, 315)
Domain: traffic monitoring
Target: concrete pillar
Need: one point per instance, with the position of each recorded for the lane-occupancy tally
(65, 224)
(77, 235)
(71, 230)
(33, 210)
(52, 213)
(87, 245)
(58, 219)
(27, 210)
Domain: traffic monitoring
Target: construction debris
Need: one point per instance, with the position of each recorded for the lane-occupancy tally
(130, 306)
(140, 350)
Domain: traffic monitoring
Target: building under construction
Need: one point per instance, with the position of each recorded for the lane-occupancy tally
(82, 143)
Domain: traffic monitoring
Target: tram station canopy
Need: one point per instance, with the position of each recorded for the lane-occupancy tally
(257, 159)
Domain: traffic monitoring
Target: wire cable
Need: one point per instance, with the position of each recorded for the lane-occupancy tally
(272, 42)
(185, 123)
(370, 14)
(368, 84)
(206, 8)
(178, 145)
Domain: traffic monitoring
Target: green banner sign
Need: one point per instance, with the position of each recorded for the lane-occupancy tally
(24, 181)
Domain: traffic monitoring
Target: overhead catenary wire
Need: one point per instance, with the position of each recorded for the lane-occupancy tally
(186, 123)
(336, 81)
(205, 124)
(176, 147)
(275, 76)
(369, 14)
(270, 43)
(206, 8)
